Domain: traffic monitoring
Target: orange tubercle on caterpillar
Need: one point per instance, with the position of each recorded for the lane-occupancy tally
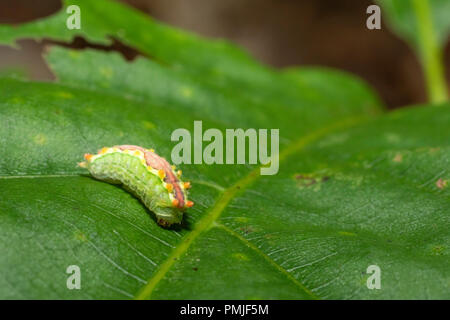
(189, 203)
(169, 187)
(161, 174)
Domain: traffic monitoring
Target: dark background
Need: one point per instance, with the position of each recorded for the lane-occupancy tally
(277, 32)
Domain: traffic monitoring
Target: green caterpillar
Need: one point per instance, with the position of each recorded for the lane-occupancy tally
(147, 175)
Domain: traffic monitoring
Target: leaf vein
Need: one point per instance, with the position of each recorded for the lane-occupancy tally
(209, 220)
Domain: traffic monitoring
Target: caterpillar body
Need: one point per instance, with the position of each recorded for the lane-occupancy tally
(145, 174)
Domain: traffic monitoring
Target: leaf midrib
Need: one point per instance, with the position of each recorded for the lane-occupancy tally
(209, 220)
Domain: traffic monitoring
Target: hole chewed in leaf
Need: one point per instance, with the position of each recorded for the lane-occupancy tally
(78, 42)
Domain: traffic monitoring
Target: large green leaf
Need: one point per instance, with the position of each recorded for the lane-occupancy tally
(354, 189)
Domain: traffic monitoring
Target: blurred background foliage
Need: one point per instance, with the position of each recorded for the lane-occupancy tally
(280, 33)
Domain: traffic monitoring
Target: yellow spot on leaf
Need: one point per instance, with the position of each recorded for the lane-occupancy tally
(40, 139)
(392, 137)
(434, 150)
(16, 100)
(148, 125)
(64, 94)
(80, 236)
(241, 219)
(74, 54)
(106, 72)
(346, 233)
(186, 92)
(240, 256)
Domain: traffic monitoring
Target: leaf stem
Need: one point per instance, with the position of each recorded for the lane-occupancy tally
(430, 52)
